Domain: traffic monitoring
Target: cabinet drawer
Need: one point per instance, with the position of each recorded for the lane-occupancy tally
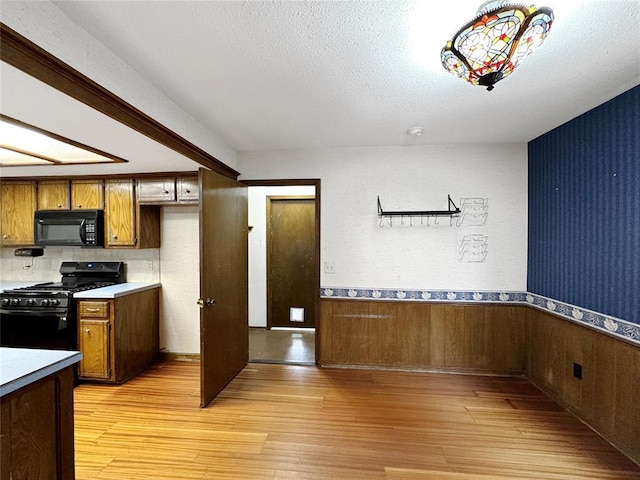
(94, 309)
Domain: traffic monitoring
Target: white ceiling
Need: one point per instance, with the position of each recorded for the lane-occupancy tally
(271, 75)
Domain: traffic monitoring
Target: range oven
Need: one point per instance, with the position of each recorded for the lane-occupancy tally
(44, 315)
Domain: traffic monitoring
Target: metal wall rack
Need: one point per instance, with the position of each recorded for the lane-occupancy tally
(452, 211)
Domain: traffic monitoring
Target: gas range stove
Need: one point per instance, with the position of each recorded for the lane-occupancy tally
(44, 296)
(44, 315)
(76, 277)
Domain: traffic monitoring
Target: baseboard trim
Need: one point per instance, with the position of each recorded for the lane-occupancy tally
(179, 357)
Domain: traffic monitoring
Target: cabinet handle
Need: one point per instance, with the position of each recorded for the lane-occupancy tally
(115, 237)
(166, 192)
(87, 331)
(59, 206)
(92, 309)
(5, 236)
(78, 206)
(188, 191)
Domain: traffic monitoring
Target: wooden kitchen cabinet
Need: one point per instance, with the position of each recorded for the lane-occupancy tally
(168, 190)
(95, 344)
(74, 195)
(188, 190)
(120, 219)
(17, 206)
(53, 195)
(37, 435)
(87, 194)
(118, 337)
(127, 223)
(157, 190)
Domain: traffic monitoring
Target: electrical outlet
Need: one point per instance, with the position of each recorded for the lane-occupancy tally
(329, 268)
(149, 266)
(26, 264)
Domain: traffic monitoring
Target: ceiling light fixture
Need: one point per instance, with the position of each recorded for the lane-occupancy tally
(23, 145)
(492, 45)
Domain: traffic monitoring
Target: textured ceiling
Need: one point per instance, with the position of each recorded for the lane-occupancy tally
(299, 74)
(267, 75)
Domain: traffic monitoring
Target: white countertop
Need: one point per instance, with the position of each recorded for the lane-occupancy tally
(20, 367)
(115, 291)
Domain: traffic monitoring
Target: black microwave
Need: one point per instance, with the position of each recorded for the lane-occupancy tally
(67, 228)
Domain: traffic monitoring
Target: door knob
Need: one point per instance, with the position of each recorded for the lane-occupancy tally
(206, 303)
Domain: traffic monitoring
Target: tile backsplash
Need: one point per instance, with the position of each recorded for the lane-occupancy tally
(141, 265)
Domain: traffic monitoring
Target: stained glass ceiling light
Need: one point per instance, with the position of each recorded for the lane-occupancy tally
(492, 45)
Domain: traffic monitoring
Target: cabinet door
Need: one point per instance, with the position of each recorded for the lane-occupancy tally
(120, 221)
(87, 195)
(188, 189)
(156, 190)
(17, 205)
(53, 195)
(95, 346)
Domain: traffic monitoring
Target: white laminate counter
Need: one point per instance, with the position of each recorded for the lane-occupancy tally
(20, 367)
(115, 291)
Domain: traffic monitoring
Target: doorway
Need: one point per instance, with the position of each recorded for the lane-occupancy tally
(291, 261)
(284, 341)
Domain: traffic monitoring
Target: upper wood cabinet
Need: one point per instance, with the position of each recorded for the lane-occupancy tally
(87, 194)
(74, 195)
(127, 223)
(53, 195)
(120, 214)
(168, 190)
(17, 206)
(156, 190)
(188, 189)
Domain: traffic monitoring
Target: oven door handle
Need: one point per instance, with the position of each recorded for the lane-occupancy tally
(83, 231)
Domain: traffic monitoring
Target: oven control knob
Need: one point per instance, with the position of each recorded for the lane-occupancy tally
(15, 301)
(31, 301)
(55, 301)
(6, 301)
(44, 303)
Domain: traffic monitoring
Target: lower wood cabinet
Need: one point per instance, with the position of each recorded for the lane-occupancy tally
(118, 337)
(36, 431)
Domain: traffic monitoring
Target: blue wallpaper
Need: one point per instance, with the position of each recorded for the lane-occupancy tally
(584, 210)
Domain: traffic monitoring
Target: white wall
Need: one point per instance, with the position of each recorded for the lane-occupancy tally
(258, 247)
(412, 178)
(180, 276)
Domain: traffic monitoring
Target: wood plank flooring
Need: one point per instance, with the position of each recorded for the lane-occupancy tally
(300, 422)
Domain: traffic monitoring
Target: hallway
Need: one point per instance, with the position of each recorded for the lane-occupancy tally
(282, 345)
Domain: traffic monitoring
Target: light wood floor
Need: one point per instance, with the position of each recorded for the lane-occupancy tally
(298, 422)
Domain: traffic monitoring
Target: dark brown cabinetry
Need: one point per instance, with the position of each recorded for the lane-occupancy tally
(118, 337)
(36, 435)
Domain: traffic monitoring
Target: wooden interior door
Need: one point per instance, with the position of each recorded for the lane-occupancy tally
(224, 327)
(291, 262)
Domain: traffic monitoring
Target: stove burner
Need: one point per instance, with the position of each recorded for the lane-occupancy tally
(62, 287)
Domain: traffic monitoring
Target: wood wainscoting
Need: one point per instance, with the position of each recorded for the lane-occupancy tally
(607, 397)
(423, 336)
(494, 339)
